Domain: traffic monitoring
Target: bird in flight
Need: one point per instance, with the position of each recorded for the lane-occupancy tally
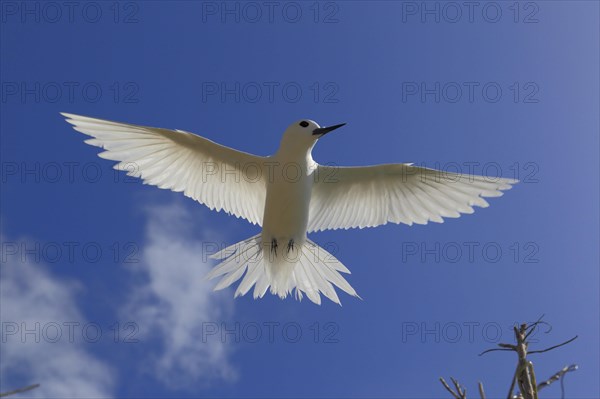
(289, 195)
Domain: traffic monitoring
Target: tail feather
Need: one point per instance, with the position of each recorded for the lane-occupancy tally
(232, 255)
(230, 278)
(313, 273)
(310, 286)
(330, 271)
(229, 265)
(302, 282)
(249, 280)
(262, 284)
(324, 285)
(338, 280)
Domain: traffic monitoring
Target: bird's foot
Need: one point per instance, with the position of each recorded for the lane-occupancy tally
(274, 246)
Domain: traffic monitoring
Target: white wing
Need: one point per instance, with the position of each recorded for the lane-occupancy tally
(219, 177)
(347, 197)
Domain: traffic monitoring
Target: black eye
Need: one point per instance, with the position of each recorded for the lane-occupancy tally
(304, 123)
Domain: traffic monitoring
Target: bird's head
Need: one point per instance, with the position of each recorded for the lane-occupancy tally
(303, 134)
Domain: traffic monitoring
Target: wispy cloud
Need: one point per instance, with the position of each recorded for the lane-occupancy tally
(171, 301)
(34, 306)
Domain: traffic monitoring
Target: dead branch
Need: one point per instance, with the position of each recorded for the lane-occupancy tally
(19, 390)
(555, 346)
(459, 394)
(559, 376)
(524, 375)
(481, 391)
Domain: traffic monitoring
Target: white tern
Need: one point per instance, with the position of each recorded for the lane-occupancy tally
(289, 195)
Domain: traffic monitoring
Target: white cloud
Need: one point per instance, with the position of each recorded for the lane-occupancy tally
(64, 368)
(171, 301)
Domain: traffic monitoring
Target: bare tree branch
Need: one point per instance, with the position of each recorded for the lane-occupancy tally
(495, 350)
(19, 390)
(481, 391)
(459, 394)
(555, 346)
(533, 326)
(524, 375)
(512, 384)
(559, 376)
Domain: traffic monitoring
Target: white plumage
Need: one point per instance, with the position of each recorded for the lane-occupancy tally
(287, 194)
(179, 161)
(371, 196)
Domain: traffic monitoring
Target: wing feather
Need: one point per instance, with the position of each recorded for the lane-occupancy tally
(182, 162)
(399, 193)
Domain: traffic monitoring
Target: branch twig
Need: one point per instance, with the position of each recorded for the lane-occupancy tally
(555, 346)
(19, 390)
(481, 391)
(559, 376)
(459, 394)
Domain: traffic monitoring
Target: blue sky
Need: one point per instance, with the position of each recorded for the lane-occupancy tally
(496, 89)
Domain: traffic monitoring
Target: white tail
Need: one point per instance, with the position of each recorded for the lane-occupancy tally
(311, 270)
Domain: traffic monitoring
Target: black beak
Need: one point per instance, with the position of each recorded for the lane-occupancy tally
(321, 131)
